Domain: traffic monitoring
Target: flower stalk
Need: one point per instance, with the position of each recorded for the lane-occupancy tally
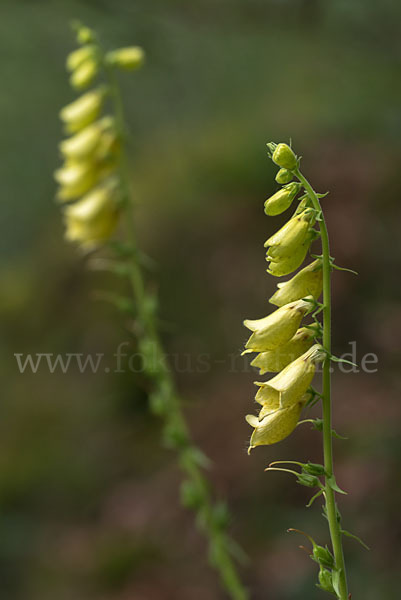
(280, 344)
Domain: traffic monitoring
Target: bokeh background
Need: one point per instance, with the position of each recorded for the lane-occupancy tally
(88, 496)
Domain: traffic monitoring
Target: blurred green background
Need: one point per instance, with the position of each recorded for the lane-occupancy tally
(88, 496)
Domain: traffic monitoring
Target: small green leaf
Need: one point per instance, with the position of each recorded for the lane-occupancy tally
(355, 537)
(331, 481)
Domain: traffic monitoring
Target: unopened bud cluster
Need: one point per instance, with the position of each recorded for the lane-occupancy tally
(282, 345)
(89, 179)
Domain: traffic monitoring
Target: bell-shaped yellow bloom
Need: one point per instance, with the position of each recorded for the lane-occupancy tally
(280, 267)
(79, 56)
(275, 426)
(288, 387)
(84, 75)
(307, 282)
(277, 328)
(284, 176)
(282, 199)
(75, 179)
(276, 360)
(83, 111)
(93, 219)
(90, 142)
(130, 58)
(290, 237)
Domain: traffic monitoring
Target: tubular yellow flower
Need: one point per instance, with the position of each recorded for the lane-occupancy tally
(284, 266)
(88, 142)
(277, 328)
(83, 75)
(130, 58)
(77, 57)
(83, 111)
(282, 199)
(291, 383)
(75, 179)
(275, 426)
(307, 282)
(93, 219)
(276, 360)
(290, 237)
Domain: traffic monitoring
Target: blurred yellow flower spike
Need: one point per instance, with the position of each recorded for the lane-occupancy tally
(307, 282)
(79, 56)
(84, 75)
(282, 199)
(284, 157)
(277, 328)
(129, 59)
(291, 383)
(274, 427)
(274, 361)
(83, 111)
(93, 219)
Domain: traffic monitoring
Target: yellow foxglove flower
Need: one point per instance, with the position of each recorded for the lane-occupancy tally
(93, 219)
(77, 57)
(127, 58)
(276, 360)
(83, 75)
(289, 386)
(75, 179)
(284, 266)
(282, 199)
(275, 426)
(284, 157)
(307, 282)
(284, 176)
(277, 328)
(290, 237)
(90, 142)
(83, 111)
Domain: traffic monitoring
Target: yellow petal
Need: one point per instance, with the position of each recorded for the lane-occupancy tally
(277, 328)
(307, 282)
(276, 360)
(274, 427)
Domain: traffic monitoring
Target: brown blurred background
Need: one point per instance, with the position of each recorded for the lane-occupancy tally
(88, 496)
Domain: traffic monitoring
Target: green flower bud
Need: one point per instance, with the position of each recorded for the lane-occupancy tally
(276, 360)
(277, 328)
(284, 157)
(325, 581)
(323, 556)
(128, 59)
(307, 282)
(282, 199)
(290, 385)
(284, 176)
(275, 426)
(85, 35)
(307, 480)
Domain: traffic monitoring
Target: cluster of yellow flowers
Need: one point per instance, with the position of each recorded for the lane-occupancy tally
(283, 346)
(89, 180)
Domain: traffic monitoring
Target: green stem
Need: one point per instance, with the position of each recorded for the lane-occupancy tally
(220, 544)
(332, 513)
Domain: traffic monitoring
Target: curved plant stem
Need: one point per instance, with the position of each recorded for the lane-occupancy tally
(332, 513)
(211, 517)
